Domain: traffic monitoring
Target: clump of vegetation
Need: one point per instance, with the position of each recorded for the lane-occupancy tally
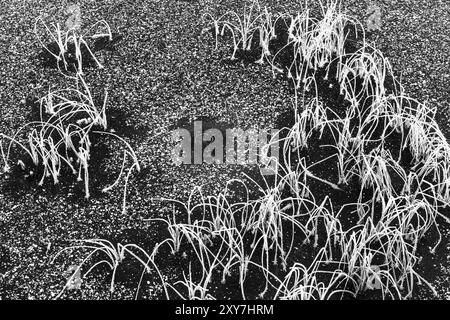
(70, 46)
(68, 117)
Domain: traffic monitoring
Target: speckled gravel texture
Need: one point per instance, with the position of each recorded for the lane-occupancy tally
(162, 72)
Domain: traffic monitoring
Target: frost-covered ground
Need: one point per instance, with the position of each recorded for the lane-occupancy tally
(164, 72)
